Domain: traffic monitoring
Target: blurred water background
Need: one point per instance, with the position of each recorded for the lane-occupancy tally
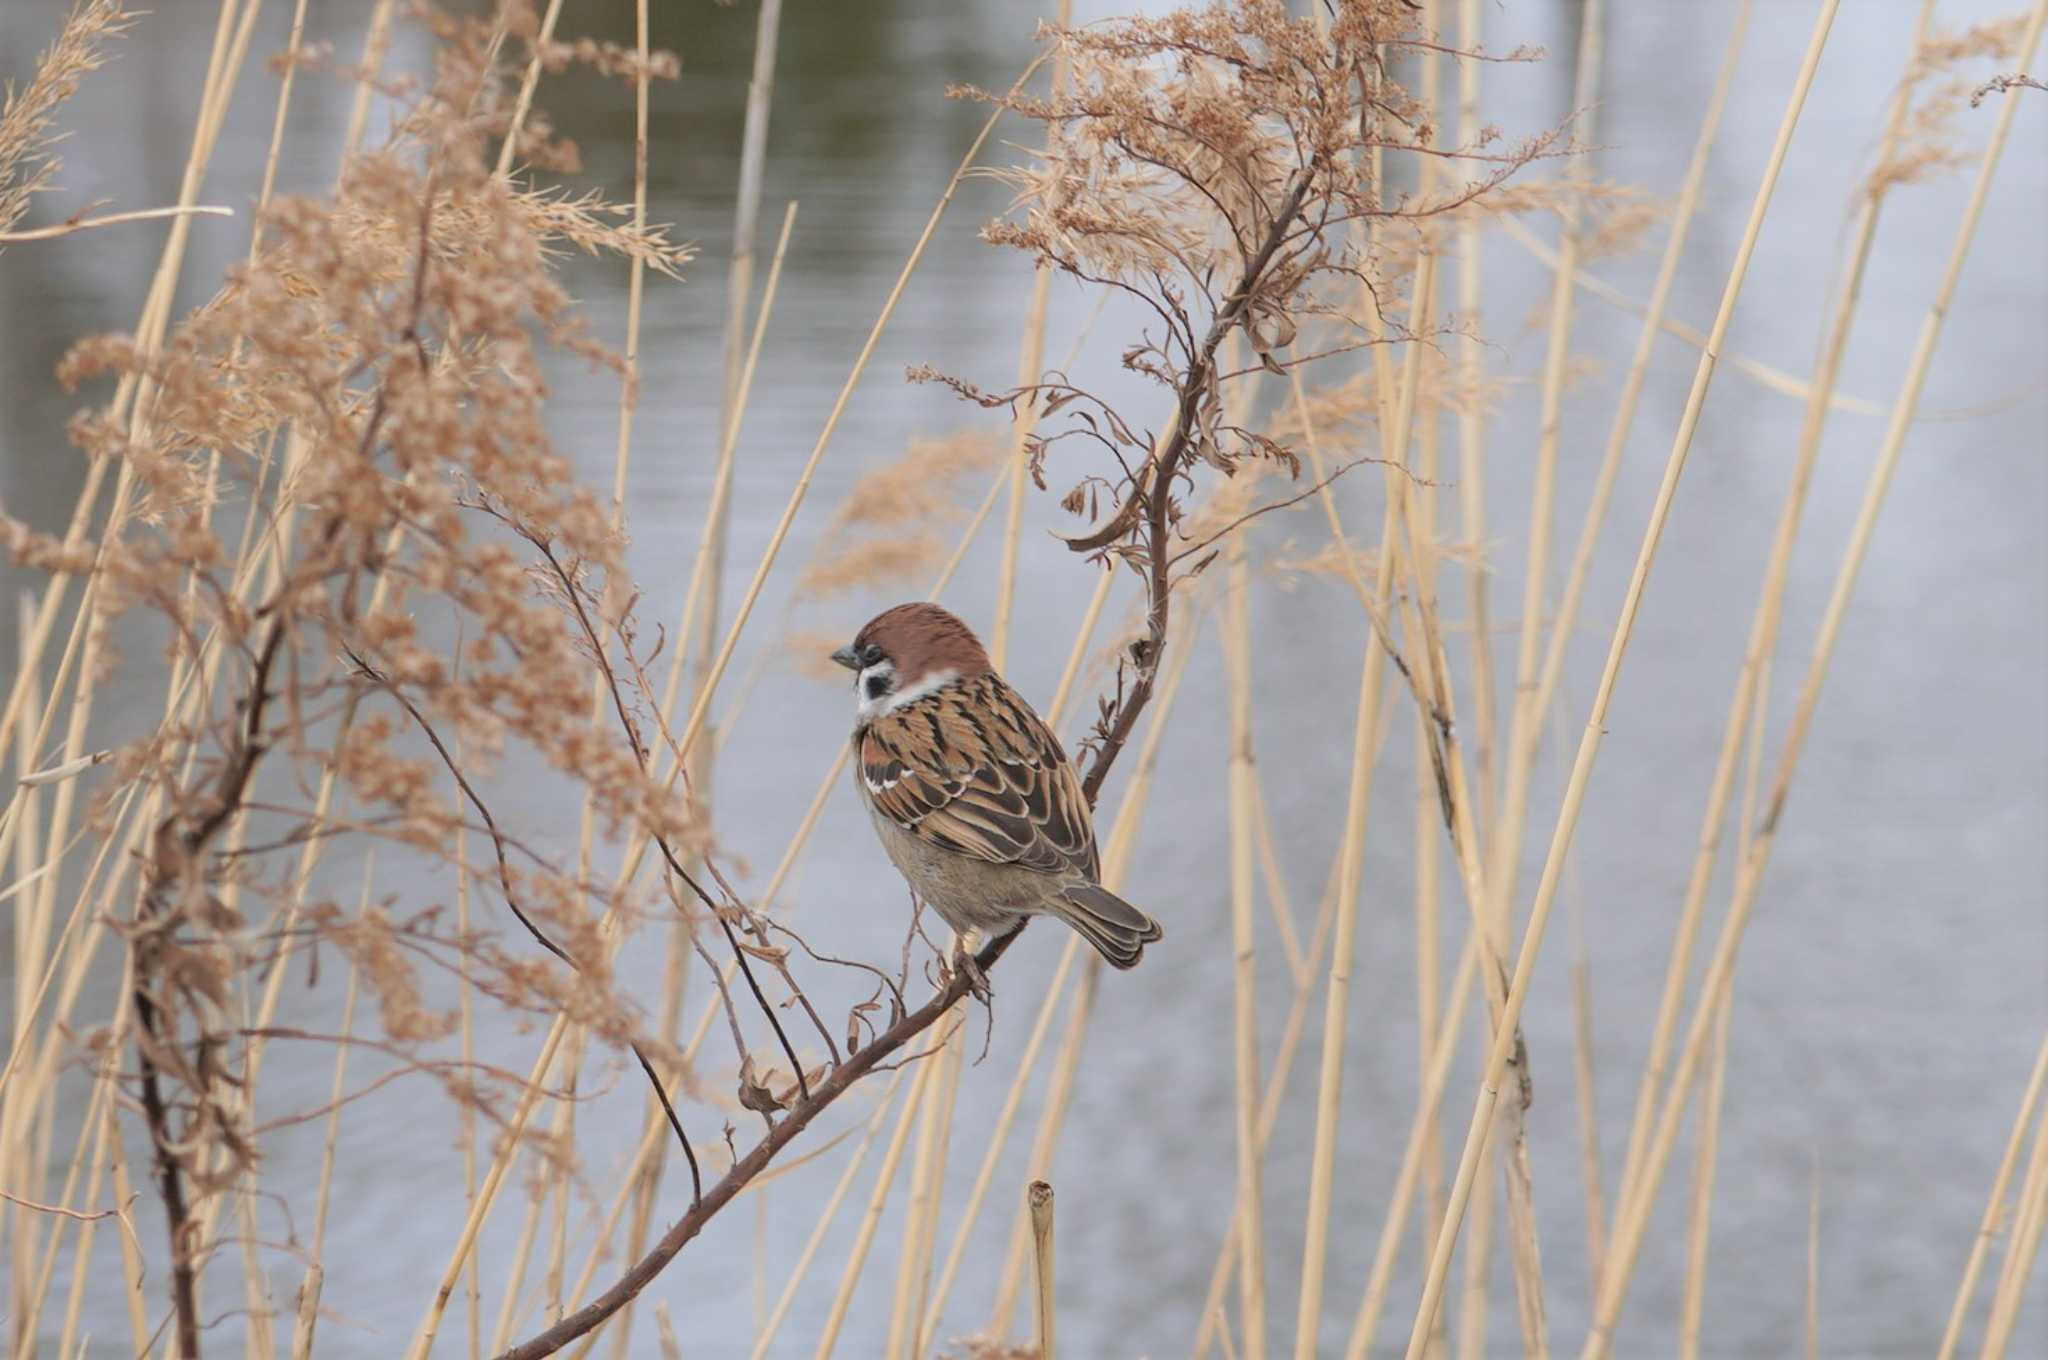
(1893, 986)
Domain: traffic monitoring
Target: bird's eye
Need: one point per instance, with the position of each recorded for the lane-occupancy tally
(877, 686)
(870, 654)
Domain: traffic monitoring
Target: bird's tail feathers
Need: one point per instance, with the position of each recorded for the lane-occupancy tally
(1118, 930)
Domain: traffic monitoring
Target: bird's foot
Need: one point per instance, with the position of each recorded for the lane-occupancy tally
(977, 981)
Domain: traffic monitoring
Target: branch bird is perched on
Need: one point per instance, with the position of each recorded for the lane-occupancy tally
(974, 800)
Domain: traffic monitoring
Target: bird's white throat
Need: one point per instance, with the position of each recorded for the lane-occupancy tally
(873, 704)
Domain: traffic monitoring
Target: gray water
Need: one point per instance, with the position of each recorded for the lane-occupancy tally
(1891, 991)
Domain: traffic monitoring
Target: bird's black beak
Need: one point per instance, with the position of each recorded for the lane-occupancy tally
(845, 657)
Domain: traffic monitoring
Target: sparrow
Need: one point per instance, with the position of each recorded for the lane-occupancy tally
(973, 799)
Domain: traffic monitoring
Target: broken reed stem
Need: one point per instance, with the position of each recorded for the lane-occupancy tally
(1628, 1238)
(1987, 1230)
(1503, 1044)
(1039, 1196)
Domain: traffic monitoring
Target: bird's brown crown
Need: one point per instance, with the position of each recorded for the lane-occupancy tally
(922, 639)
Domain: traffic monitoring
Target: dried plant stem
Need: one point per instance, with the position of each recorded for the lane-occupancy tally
(1427, 1102)
(1115, 862)
(884, 1178)
(1269, 1106)
(764, 1336)
(1030, 368)
(1039, 1197)
(1329, 1090)
(76, 224)
(2031, 1216)
(1635, 1212)
(1034, 1043)
(927, 1185)
(1471, 353)
(1763, 375)
(528, 82)
(1504, 1038)
(1693, 1307)
(1987, 1230)
(1525, 726)
(1761, 642)
(708, 684)
(721, 486)
(1236, 637)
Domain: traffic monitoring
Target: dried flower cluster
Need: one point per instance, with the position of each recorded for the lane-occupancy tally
(1219, 166)
(27, 164)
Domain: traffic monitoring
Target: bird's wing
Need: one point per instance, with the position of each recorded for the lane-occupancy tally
(971, 769)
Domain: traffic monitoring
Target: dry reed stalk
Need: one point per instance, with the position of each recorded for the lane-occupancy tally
(1628, 1238)
(1589, 1117)
(132, 1270)
(375, 41)
(764, 1335)
(1034, 1043)
(528, 83)
(1987, 1230)
(884, 1178)
(1291, 1032)
(2030, 1216)
(721, 486)
(1692, 1308)
(1024, 420)
(1277, 897)
(1424, 637)
(1764, 375)
(1761, 642)
(1308, 1314)
(1525, 726)
(51, 233)
(708, 685)
(1589, 744)
(1380, 1276)
(1039, 1197)
(1472, 428)
(1708, 1120)
(81, 1257)
(308, 1311)
(1236, 637)
(1116, 855)
(927, 1184)
(32, 1282)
